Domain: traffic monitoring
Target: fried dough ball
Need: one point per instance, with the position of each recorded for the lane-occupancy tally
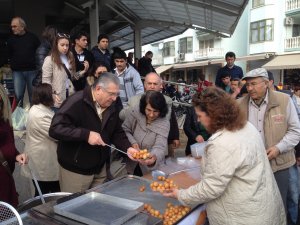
(142, 154)
(142, 188)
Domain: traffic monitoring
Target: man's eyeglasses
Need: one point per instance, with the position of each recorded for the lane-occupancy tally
(111, 94)
(253, 84)
(63, 35)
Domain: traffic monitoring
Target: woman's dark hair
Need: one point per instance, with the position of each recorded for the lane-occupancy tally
(49, 34)
(98, 64)
(42, 94)
(222, 109)
(157, 102)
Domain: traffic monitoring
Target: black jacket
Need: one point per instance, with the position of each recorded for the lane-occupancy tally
(174, 130)
(145, 66)
(42, 51)
(72, 124)
(192, 128)
(22, 51)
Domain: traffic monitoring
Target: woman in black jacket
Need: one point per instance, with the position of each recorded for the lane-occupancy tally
(49, 35)
(193, 130)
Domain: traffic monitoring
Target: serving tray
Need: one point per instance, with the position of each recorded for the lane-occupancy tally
(99, 209)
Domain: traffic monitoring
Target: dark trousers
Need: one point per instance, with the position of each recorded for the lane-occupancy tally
(47, 187)
(282, 179)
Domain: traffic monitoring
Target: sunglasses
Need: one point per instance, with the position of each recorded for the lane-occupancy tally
(63, 35)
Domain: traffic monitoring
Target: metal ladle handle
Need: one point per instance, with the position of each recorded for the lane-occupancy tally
(183, 170)
(37, 185)
(117, 149)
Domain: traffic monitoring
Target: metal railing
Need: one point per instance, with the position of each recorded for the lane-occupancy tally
(292, 5)
(208, 52)
(292, 43)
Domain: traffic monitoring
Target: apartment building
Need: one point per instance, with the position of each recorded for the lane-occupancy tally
(267, 35)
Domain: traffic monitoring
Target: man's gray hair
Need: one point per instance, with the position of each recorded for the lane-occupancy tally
(105, 79)
(21, 21)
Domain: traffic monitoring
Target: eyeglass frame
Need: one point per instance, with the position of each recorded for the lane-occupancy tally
(111, 94)
(63, 35)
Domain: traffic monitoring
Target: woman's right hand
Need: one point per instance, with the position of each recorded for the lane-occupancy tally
(22, 158)
(130, 153)
(136, 146)
(56, 99)
(199, 139)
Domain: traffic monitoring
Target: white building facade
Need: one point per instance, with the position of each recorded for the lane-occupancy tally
(267, 29)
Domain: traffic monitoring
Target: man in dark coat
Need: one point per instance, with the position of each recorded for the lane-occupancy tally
(83, 58)
(22, 46)
(85, 123)
(145, 64)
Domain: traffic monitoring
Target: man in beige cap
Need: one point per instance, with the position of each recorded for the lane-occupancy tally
(275, 117)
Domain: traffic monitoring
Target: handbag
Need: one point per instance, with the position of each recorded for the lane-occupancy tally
(4, 163)
(19, 118)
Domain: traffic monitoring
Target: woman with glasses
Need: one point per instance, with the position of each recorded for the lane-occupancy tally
(8, 153)
(97, 69)
(237, 185)
(59, 69)
(147, 127)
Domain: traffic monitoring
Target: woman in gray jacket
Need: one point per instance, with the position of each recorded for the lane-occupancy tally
(146, 127)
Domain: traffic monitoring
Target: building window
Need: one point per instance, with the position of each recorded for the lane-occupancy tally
(261, 31)
(257, 3)
(204, 44)
(169, 48)
(186, 45)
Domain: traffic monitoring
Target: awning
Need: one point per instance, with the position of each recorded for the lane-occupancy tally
(283, 62)
(243, 58)
(190, 65)
(163, 68)
(254, 57)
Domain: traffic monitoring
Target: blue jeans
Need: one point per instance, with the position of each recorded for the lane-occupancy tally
(292, 196)
(21, 79)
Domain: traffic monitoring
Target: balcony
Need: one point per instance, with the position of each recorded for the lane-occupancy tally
(292, 44)
(292, 5)
(209, 53)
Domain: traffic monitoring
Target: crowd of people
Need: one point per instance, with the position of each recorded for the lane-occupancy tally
(82, 102)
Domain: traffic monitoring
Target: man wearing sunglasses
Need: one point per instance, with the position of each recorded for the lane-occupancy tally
(274, 115)
(22, 46)
(83, 125)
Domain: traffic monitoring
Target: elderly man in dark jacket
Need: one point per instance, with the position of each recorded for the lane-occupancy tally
(84, 124)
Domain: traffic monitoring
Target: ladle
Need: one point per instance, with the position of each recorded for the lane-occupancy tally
(157, 173)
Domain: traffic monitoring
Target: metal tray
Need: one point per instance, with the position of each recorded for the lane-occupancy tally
(128, 187)
(99, 209)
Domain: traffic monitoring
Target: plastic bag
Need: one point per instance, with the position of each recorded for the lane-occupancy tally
(19, 118)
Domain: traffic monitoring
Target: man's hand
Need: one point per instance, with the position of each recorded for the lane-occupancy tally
(199, 139)
(175, 144)
(272, 152)
(95, 139)
(22, 158)
(86, 66)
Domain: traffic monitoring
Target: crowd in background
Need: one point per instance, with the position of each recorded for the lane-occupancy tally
(84, 101)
